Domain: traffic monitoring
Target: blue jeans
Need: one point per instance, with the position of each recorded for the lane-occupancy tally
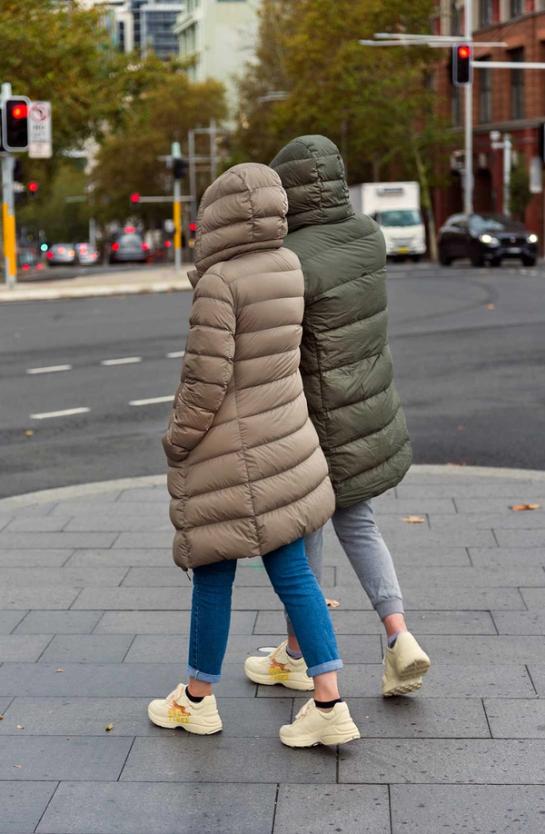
(295, 584)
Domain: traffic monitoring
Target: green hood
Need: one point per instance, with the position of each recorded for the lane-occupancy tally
(312, 173)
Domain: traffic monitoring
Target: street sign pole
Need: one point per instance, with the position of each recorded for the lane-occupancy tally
(468, 121)
(8, 212)
(177, 211)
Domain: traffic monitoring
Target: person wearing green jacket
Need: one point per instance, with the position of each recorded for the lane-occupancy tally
(347, 372)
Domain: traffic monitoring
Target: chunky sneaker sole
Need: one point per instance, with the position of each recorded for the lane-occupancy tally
(278, 668)
(311, 728)
(404, 666)
(176, 711)
(402, 687)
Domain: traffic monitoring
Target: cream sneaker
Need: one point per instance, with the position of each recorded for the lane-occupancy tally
(404, 666)
(279, 667)
(314, 726)
(176, 710)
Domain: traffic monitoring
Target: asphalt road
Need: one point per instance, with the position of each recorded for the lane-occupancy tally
(468, 344)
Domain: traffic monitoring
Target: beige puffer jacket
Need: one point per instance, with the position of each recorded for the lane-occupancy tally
(246, 472)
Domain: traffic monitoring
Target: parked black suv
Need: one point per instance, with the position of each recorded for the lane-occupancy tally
(486, 238)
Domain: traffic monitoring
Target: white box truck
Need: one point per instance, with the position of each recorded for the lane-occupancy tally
(396, 208)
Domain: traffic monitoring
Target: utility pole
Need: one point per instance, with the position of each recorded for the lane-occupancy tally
(468, 121)
(507, 147)
(8, 211)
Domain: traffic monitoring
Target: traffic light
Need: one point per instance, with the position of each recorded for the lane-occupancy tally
(462, 72)
(33, 187)
(15, 123)
(179, 168)
(135, 197)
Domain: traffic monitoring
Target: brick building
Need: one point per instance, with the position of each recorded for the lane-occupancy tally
(510, 101)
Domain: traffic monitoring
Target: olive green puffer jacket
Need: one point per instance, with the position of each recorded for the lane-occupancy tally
(345, 359)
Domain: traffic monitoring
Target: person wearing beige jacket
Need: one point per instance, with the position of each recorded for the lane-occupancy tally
(246, 473)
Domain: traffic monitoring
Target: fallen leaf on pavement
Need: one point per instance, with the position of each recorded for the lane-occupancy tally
(414, 519)
(109, 727)
(59, 670)
(332, 603)
(490, 306)
(20, 727)
(520, 508)
(1, 717)
(28, 433)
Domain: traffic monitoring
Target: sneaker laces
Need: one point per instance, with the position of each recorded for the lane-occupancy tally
(173, 696)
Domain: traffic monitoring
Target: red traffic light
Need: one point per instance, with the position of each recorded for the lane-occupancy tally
(33, 187)
(15, 123)
(135, 197)
(192, 227)
(19, 111)
(461, 64)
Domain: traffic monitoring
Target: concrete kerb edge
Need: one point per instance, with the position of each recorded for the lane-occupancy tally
(93, 292)
(47, 496)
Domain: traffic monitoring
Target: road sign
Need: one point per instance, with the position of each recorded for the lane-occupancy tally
(39, 130)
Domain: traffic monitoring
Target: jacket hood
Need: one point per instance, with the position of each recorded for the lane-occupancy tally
(244, 210)
(312, 172)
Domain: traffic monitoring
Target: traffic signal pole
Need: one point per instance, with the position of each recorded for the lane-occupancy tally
(177, 210)
(8, 210)
(468, 120)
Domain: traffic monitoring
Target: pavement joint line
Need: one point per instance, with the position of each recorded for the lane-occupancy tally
(152, 400)
(67, 412)
(122, 360)
(49, 369)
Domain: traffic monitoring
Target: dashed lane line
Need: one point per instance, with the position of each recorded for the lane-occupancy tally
(49, 369)
(67, 412)
(176, 354)
(122, 360)
(153, 400)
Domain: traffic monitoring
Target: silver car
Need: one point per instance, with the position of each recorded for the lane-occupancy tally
(87, 254)
(129, 247)
(61, 254)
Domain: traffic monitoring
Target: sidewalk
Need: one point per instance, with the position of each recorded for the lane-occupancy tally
(92, 284)
(93, 623)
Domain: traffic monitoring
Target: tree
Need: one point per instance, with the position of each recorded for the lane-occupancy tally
(520, 190)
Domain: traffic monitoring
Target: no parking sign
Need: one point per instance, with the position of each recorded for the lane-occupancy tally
(39, 130)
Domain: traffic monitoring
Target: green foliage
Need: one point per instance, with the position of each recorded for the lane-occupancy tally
(376, 103)
(520, 190)
(62, 220)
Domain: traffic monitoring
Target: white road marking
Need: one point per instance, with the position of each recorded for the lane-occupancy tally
(49, 369)
(153, 400)
(123, 360)
(176, 354)
(66, 413)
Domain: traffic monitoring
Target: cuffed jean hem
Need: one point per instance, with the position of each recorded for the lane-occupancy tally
(322, 668)
(202, 676)
(393, 605)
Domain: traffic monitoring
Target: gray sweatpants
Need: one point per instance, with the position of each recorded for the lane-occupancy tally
(368, 554)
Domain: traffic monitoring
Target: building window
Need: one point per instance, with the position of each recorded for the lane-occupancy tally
(517, 8)
(485, 95)
(517, 85)
(455, 28)
(486, 12)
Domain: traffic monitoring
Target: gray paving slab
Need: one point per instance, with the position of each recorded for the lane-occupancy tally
(537, 674)
(484, 650)
(160, 539)
(451, 809)
(534, 597)
(457, 488)
(76, 577)
(352, 809)
(4, 704)
(417, 717)
(506, 520)
(46, 597)
(353, 648)
(412, 506)
(411, 535)
(164, 622)
(457, 598)
(9, 620)
(516, 718)
(46, 758)
(23, 804)
(507, 557)
(39, 524)
(34, 558)
(58, 622)
(22, 647)
(87, 648)
(516, 538)
(135, 599)
(116, 557)
(118, 522)
(473, 506)
(102, 503)
(432, 761)
(85, 716)
(367, 622)
(159, 808)
(54, 541)
(144, 680)
(157, 576)
(489, 577)
(185, 758)
(520, 622)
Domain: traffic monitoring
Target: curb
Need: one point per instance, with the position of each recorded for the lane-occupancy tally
(46, 496)
(51, 294)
